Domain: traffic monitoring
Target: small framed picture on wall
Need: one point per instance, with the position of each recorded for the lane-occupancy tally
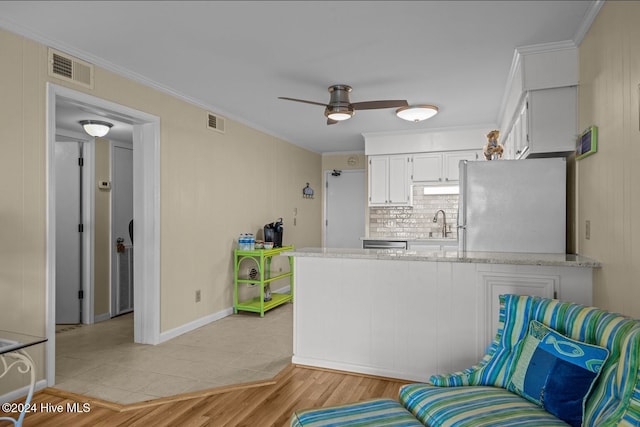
(587, 143)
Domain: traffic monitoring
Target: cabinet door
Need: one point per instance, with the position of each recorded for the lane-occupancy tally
(427, 167)
(378, 180)
(452, 164)
(423, 247)
(399, 180)
(552, 118)
(509, 151)
(521, 131)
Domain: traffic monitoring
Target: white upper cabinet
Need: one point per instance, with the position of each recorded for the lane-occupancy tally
(451, 161)
(378, 180)
(545, 123)
(539, 112)
(440, 168)
(389, 180)
(427, 168)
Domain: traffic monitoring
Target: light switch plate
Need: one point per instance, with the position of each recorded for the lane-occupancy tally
(587, 231)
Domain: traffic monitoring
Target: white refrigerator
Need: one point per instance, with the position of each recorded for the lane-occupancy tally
(513, 206)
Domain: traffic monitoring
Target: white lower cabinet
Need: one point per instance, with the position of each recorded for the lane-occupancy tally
(431, 246)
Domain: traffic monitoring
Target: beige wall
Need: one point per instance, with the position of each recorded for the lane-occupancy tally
(207, 199)
(608, 181)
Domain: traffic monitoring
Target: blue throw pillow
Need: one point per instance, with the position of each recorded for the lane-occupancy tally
(556, 372)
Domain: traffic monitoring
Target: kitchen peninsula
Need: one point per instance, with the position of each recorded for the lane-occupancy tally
(408, 314)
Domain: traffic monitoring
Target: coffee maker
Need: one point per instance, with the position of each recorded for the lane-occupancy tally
(273, 233)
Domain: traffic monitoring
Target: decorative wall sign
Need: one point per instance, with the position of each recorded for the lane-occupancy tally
(307, 192)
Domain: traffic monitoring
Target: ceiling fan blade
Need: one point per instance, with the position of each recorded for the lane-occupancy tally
(331, 122)
(302, 100)
(372, 105)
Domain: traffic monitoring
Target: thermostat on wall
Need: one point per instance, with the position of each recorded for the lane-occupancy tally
(104, 185)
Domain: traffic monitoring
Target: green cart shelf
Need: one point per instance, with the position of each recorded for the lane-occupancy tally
(262, 259)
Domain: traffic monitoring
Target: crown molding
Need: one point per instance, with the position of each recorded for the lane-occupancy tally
(128, 74)
(588, 21)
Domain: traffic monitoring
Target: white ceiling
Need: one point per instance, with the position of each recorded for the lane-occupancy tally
(235, 58)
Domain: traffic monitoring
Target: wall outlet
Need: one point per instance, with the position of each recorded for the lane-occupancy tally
(587, 230)
(198, 295)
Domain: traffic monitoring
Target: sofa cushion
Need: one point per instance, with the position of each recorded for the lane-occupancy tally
(556, 372)
(375, 412)
(615, 399)
(473, 406)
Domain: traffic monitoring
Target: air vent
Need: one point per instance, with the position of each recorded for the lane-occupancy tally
(65, 67)
(215, 122)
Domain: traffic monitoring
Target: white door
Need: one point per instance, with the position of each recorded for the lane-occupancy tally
(122, 199)
(68, 236)
(345, 204)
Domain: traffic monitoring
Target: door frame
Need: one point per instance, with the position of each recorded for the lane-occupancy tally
(146, 209)
(112, 233)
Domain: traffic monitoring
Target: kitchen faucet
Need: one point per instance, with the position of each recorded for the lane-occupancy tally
(444, 222)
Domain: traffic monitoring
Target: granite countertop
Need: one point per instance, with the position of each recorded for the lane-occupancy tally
(450, 255)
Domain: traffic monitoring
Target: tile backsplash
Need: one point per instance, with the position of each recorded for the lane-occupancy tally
(415, 222)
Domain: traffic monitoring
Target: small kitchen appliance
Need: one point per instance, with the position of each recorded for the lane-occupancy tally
(273, 233)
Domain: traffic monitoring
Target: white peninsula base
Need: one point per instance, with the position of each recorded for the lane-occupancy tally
(408, 315)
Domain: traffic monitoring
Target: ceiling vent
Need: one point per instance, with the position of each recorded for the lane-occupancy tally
(65, 67)
(215, 122)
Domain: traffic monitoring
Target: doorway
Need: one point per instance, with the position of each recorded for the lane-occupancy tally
(345, 204)
(122, 253)
(146, 211)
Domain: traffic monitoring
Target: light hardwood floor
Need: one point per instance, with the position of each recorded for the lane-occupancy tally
(258, 404)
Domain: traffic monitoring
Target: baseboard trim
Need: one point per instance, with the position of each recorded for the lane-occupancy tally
(101, 317)
(188, 327)
(356, 369)
(22, 392)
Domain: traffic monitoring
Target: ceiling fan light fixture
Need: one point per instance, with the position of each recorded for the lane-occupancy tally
(339, 116)
(417, 113)
(96, 128)
(339, 113)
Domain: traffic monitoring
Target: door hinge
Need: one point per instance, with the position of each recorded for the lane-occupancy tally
(80, 161)
(326, 222)
(81, 294)
(80, 228)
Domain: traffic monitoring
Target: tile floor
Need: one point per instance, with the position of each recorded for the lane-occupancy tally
(102, 361)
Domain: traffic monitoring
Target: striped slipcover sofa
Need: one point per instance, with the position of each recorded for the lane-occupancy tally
(483, 395)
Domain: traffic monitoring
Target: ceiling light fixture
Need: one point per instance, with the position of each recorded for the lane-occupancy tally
(417, 113)
(96, 128)
(339, 112)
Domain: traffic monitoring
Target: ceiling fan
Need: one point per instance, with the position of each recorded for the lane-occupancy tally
(341, 108)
